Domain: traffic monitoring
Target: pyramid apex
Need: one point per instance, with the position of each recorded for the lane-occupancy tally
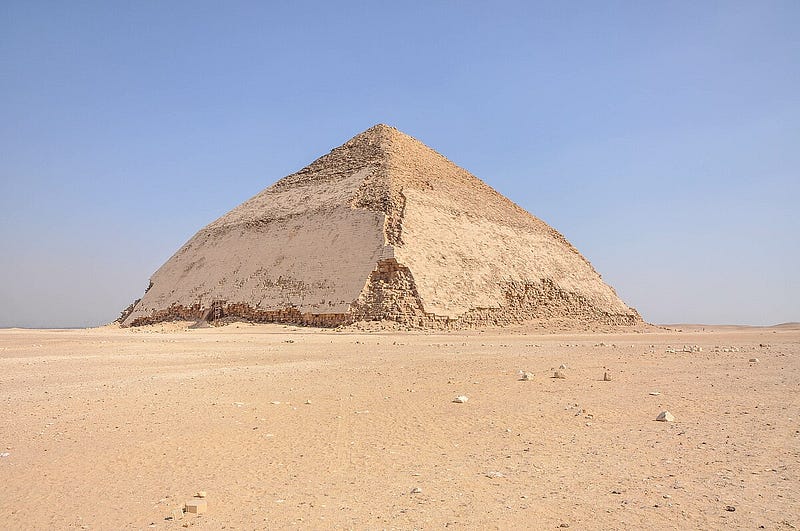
(381, 131)
(382, 127)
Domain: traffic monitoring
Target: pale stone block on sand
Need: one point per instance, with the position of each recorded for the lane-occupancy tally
(197, 506)
(665, 416)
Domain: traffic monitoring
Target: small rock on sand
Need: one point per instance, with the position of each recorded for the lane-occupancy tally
(460, 399)
(606, 377)
(559, 375)
(525, 376)
(753, 360)
(416, 490)
(665, 416)
(562, 366)
(197, 506)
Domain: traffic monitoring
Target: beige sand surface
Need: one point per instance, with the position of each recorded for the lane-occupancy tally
(112, 429)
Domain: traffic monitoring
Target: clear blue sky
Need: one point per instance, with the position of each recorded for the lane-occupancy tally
(661, 138)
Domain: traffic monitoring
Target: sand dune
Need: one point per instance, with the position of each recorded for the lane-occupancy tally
(789, 326)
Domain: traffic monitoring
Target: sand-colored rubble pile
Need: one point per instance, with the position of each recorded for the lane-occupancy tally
(381, 228)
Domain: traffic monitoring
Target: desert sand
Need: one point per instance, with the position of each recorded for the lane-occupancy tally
(297, 428)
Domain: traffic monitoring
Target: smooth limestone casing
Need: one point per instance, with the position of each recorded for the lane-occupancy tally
(382, 227)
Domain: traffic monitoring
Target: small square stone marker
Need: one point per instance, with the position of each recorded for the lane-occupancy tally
(197, 506)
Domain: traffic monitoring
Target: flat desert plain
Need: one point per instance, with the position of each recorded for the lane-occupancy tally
(293, 428)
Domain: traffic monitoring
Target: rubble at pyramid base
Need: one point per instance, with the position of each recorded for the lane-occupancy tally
(392, 296)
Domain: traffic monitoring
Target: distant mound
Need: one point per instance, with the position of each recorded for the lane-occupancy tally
(787, 326)
(381, 228)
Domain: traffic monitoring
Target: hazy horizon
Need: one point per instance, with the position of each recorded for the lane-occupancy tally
(660, 140)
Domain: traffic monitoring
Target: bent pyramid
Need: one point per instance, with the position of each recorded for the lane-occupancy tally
(382, 227)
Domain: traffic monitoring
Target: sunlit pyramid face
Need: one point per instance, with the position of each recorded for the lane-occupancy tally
(381, 228)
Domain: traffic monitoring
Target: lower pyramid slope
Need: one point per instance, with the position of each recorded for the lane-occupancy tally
(381, 228)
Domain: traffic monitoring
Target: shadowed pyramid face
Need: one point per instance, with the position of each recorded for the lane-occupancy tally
(382, 227)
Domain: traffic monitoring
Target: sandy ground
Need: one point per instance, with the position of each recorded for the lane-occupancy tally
(112, 429)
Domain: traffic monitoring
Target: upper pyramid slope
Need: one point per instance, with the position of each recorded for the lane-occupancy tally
(382, 227)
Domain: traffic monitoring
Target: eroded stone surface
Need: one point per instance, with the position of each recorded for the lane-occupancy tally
(381, 228)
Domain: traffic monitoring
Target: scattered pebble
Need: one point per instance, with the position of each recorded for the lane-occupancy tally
(606, 377)
(525, 376)
(416, 490)
(460, 399)
(494, 474)
(200, 494)
(753, 360)
(5, 454)
(559, 375)
(730, 508)
(665, 416)
(653, 393)
(726, 349)
(562, 366)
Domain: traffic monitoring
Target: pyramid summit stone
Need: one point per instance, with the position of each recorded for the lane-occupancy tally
(380, 228)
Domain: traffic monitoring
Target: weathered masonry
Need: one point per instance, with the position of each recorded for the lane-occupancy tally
(381, 228)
